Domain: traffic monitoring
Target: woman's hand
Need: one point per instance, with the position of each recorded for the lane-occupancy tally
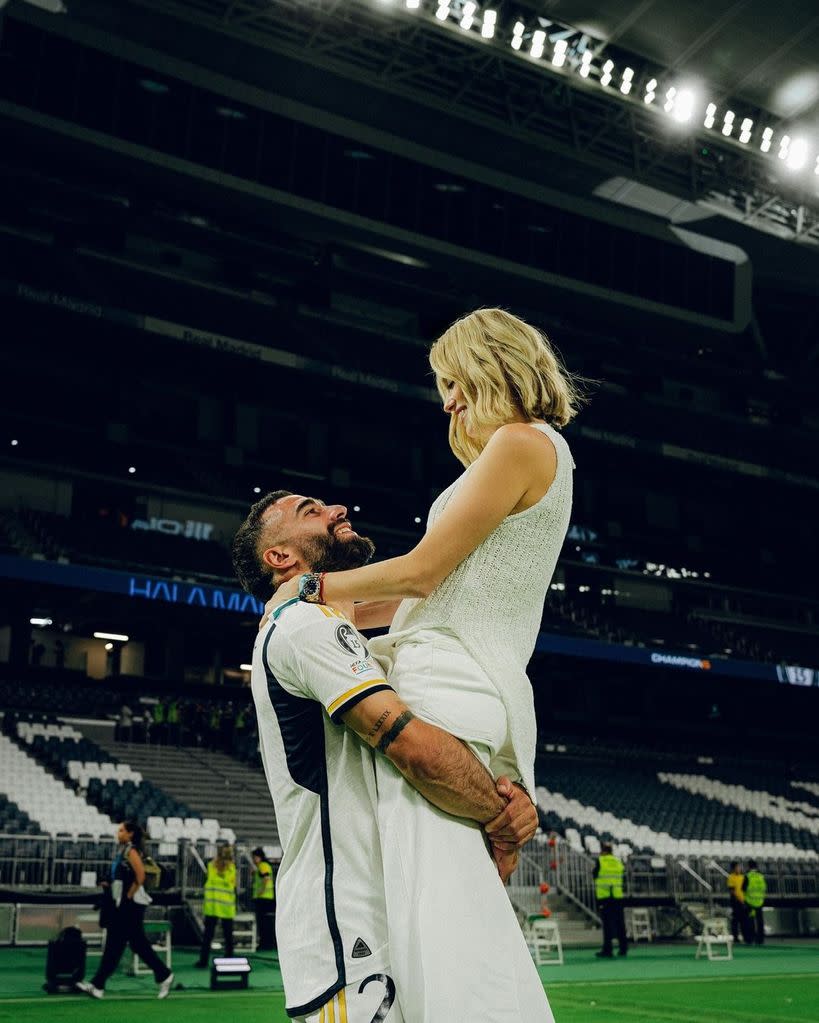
(286, 591)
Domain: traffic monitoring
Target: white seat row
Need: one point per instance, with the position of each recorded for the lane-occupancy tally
(82, 772)
(27, 730)
(630, 835)
(46, 800)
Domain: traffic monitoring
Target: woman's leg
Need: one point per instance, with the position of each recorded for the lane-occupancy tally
(116, 938)
(141, 946)
(207, 938)
(227, 930)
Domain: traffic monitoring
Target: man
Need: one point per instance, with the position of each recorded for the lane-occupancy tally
(734, 882)
(264, 901)
(608, 880)
(311, 673)
(755, 888)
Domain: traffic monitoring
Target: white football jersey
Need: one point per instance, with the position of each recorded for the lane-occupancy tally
(309, 667)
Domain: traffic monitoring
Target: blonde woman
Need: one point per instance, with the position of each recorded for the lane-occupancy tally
(220, 902)
(464, 608)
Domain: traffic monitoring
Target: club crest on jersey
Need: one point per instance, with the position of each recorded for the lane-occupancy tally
(349, 641)
(359, 667)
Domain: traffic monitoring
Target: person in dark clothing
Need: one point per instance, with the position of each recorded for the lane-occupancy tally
(123, 913)
(264, 901)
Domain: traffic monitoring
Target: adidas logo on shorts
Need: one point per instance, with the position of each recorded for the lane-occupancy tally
(361, 949)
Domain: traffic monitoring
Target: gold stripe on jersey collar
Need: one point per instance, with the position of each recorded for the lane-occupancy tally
(341, 700)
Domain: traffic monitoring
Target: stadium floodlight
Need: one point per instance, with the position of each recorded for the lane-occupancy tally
(559, 56)
(490, 19)
(798, 156)
(117, 637)
(468, 15)
(784, 147)
(538, 43)
(245, 667)
(683, 106)
(517, 35)
(413, 5)
(109, 645)
(585, 63)
(745, 131)
(651, 91)
(710, 115)
(605, 78)
(417, 520)
(767, 137)
(816, 168)
(131, 469)
(14, 442)
(627, 81)
(40, 622)
(443, 10)
(668, 106)
(728, 123)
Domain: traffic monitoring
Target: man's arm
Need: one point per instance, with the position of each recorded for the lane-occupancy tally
(439, 766)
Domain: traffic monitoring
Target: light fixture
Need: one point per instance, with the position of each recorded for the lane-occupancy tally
(443, 10)
(608, 67)
(413, 5)
(233, 972)
(710, 115)
(489, 21)
(356, 508)
(40, 622)
(668, 106)
(651, 91)
(417, 519)
(468, 15)
(784, 147)
(816, 168)
(517, 35)
(132, 469)
(538, 42)
(257, 490)
(245, 667)
(116, 636)
(683, 105)
(585, 63)
(627, 81)
(728, 123)
(559, 56)
(14, 443)
(767, 138)
(798, 155)
(109, 646)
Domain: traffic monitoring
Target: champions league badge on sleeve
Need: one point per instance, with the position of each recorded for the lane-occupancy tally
(349, 642)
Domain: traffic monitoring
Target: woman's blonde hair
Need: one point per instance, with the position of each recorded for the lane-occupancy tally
(224, 857)
(505, 368)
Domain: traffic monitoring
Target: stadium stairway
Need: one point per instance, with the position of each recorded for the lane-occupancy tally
(213, 784)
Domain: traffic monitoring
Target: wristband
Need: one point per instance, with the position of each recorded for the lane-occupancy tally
(311, 587)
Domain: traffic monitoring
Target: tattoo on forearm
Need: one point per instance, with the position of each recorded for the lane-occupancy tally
(398, 726)
(377, 726)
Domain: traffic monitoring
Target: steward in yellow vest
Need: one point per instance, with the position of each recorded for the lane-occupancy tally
(739, 913)
(755, 888)
(608, 888)
(264, 901)
(219, 902)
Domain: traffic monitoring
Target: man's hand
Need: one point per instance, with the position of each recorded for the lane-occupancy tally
(517, 823)
(286, 591)
(506, 862)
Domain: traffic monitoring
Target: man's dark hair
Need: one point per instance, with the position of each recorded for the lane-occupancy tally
(253, 574)
(751, 864)
(735, 865)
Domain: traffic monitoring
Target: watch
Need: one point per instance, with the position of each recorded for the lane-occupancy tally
(311, 587)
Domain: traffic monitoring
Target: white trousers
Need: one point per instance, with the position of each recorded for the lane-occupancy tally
(457, 951)
(371, 1000)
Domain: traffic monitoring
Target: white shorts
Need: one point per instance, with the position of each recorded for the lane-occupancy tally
(372, 1000)
(456, 948)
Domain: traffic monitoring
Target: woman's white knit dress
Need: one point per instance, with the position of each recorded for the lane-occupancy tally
(458, 658)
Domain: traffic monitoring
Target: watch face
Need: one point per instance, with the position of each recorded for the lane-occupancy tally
(309, 587)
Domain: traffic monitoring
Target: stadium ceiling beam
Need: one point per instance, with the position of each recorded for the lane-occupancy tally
(451, 72)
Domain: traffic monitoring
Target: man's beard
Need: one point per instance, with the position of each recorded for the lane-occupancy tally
(328, 554)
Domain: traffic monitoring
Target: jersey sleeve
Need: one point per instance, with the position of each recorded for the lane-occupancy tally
(334, 666)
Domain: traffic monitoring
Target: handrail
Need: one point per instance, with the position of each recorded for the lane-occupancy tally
(695, 875)
(715, 866)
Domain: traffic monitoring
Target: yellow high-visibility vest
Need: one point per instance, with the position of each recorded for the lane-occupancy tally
(609, 881)
(220, 892)
(755, 892)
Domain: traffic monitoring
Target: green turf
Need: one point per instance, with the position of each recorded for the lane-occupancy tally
(654, 984)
